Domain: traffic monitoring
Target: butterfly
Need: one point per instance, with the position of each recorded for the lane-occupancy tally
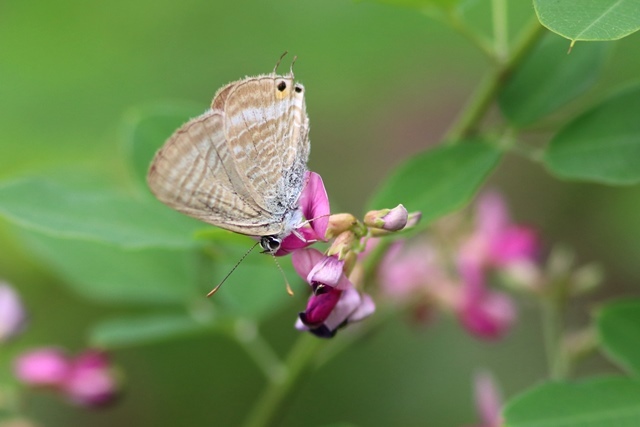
(241, 165)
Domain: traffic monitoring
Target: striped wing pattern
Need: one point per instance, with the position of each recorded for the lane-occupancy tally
(241, 165)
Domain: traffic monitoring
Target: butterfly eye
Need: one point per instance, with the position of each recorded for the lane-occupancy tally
(281, 86)
(298, 89)
(270, 244)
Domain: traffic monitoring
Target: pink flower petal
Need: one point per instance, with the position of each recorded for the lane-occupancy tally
(329, 271)
(348, 303)
(489, 316)
(292, 243)
(314, 203)
(514, 243)
(91, 381)
(304, 260)
(320, 307)
(12, 314)
(43, 367)
(488, 400)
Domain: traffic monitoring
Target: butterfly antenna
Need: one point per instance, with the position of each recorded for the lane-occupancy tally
(275, 69)
(214, 290)
(291, 69)
(286, 282)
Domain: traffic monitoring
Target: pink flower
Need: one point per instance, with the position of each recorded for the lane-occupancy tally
(12, 314)
(43, 367)
(314, 204)
(485, 313)
(334, 301)
(496, 242)
(488, 401)
(87, 380)
(407, 271)
(91, 381)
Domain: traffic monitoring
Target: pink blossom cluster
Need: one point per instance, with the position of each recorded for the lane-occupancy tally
(87, 379)
(455, 275)
(337, 297)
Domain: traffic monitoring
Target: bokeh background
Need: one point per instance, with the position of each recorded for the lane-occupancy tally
(382, 83)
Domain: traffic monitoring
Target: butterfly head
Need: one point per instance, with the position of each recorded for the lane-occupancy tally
(270, 244)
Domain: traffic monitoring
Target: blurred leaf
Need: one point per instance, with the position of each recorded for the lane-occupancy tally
(602, 144)
(77, 212)
(619, 328)
(256, 288)
(438, 181)
(147, 129)
(421, 5)
(549, 78)
(589, 19)
(108, 273)
(602, 402)
(136, 331)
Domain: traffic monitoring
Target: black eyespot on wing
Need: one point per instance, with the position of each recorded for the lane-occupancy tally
(281, 86)
(298, 89)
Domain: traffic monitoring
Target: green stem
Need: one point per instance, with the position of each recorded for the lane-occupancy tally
(247, 334)
(500, 29)
(479, 41)
(552, 333)
(488, 89)
(268, 409)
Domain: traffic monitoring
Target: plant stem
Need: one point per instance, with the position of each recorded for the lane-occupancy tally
(246, 333)
(268, 409)
(484, 95)
(552, 331)
(500, 29)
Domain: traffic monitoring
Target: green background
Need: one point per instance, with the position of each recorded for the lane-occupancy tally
(382, 84)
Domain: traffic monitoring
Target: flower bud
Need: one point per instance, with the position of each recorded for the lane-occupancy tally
(339, 223)
(387, 219)
(12, 315)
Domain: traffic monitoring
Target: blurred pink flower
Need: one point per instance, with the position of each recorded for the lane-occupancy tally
(334, 302)
(484, 313)
(408, 270)
(87, 380)
(42, 367)
(314, 204)
(495, 241)
(488, 401)
(91, 380)
(12, 314)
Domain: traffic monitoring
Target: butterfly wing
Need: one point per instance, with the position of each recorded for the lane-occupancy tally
(266, 129)
(194, 173)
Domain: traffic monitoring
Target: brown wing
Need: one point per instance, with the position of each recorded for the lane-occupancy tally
(195, 173)
(266, 128)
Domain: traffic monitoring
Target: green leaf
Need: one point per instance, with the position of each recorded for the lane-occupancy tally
(136, 331)
(602, 402)
(108, 273)
(602, 144)
(619, 328)
(422, 5)
(256, 288)
(147, 129)
(438, 181)
(98, 214)
(589, 19)
(549, 78)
